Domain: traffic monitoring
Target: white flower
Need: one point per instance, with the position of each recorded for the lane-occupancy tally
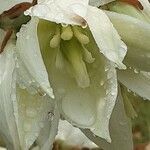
(133, 25)
(85, 95)
(78, 12)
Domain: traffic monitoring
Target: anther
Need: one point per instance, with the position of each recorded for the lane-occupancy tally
(67, 33)
(82, 38)
(55, 41)
(87, 56)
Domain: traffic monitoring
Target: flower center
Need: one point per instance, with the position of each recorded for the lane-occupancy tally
(70, 43)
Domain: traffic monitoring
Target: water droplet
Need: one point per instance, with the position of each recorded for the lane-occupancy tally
(102, 83)
(136, 71)
(50, 116)
(64, 24)
(113, 93)
(84, 26)
(129, 90)
(134, 94)
(106, 68)
(130, 67)
(41, 92)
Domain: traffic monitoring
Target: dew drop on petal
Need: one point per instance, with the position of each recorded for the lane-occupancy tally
(136, 71)
(64, 24)
(102, 83)
(50, 116)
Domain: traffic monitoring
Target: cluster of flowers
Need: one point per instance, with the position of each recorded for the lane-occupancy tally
(74, 60)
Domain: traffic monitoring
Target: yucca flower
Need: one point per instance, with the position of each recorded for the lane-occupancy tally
(83, 79)
(81, 49)
(133, 24)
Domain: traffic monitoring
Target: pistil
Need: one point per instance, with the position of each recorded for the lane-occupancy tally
(67, 33)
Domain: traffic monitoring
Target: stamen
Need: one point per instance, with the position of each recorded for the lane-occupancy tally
(5, 40)
(87, 56)
(59, 60)
(83, 39)
(55, 41)
(67, 33)
(73, 54)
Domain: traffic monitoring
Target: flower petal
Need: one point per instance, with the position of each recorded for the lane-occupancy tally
(8, 128)
(106, 36)
(146, 6)
(89, 107)
(60, 11)
(72, 135)
(120, 130)
(48, 133)
(130, 10)
(5, 5)
(136, 35)
(30, 56)
(33, 114)
(138, 82)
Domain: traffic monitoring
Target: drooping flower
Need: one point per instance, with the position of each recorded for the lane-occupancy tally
(133, 24)
(84, 81)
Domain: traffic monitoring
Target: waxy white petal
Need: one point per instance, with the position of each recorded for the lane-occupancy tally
(60, 11)
(120, 130)
(106, 36)
(48, 133)
(8, 128)
(5, 5)
(89, 107)
(105, 108)
(138, 82)
(33, 115)
(146, 6)
(72, 135)
(136, 35)
(30, 56)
